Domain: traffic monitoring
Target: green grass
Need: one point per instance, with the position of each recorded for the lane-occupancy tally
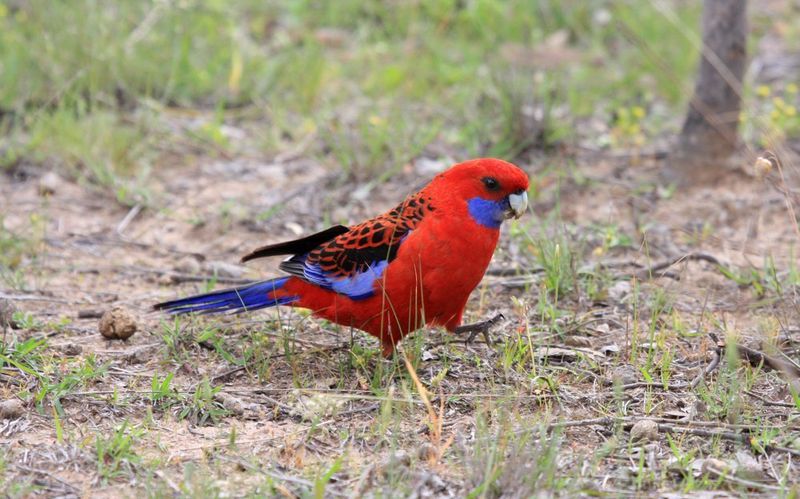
(114, 94)
(115, 452)
(201, 408)
(17, 249)
(370, 84)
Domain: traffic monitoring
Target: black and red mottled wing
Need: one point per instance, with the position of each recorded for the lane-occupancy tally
(297, 246)
(351, 262)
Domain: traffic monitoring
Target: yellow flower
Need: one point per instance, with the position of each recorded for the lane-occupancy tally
(791, 88)
(638, 112)
(778, 103)
(762, 91)
(790, 111)
(308, 126)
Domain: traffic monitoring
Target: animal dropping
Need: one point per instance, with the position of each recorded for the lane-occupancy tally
(117, 324)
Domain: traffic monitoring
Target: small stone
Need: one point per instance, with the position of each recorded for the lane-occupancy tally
(715, 466)
(578, 341)
(225, 269)
(427, 453)
(7, 311)
(166, 279)
(188, 265)
(49, 184)
(331, 37)
(117, 324)
(644, 430)
(139, 356)
(71, 349)
(624, 375)
(748, 467)
(11, 409)
(602, 329)
(319, 405)
(231, 403)
(619, 291)
(295, 227)
(90, 313)
(610, 350)
(762, 167)
(397, 460)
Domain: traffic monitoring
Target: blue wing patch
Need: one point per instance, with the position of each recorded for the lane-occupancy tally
(358, 286)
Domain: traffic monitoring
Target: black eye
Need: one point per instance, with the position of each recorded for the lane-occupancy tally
(491, 184)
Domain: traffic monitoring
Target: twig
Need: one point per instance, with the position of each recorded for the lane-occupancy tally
(277, 403)
(33, 298)
(274, 474)
(90, 313)
(359, 410)
(629, 420)
(741, 481)
(37, 471)
(513, 272)
(756, 358)
(711, 432)
(724, 435)
(770, 402)
(774, 159)
(645, 384)
(128, 219)
(160, 474)
(711, 366)
(227, 373)
(648, 272)
(179, 278)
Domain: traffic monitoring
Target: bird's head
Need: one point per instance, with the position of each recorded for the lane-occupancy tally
(492, 189)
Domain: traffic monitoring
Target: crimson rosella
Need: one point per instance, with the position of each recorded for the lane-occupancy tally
(412, 266)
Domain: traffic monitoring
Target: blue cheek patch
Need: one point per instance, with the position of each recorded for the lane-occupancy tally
(487, 212)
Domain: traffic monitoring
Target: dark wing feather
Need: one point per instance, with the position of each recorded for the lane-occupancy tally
(298, 246)
(350, 263)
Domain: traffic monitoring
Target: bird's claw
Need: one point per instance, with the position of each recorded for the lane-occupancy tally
(479, 327)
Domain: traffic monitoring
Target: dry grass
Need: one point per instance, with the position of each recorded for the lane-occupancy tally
(625, 299)
(595, 340)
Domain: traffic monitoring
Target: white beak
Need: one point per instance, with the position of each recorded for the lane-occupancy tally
(519, 204)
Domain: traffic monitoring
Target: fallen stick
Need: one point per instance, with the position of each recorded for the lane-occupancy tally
(711, 365)
(649, 272)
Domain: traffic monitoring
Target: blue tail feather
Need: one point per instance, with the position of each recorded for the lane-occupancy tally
(240, 299)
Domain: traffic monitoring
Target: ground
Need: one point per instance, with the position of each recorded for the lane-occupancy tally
(615, 370)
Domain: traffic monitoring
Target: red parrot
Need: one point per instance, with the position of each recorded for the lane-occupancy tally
(412, 266)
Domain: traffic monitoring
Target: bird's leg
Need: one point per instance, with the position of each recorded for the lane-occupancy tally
(479, 327)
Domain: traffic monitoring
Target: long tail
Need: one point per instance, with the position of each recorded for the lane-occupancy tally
(240, 299)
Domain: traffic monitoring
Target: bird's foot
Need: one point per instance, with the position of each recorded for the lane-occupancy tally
(479, 327)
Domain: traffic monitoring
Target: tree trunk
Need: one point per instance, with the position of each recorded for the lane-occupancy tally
(709, 135)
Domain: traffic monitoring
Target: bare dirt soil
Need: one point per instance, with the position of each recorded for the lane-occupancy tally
(307, 408)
